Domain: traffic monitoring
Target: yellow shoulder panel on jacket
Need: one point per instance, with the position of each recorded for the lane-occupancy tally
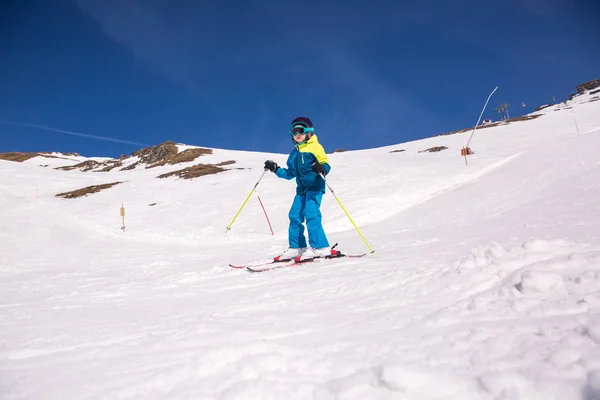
(313, 146)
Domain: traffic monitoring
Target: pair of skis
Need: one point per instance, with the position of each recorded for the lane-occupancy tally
(277, 263)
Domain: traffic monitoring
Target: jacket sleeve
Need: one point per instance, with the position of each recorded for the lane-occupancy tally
(289, 172)
(322, 158)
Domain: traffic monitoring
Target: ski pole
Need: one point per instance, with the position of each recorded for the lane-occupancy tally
(348, 215)
(266, 216)
(228, 228)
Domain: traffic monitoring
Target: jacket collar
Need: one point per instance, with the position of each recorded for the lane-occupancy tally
(313, 139)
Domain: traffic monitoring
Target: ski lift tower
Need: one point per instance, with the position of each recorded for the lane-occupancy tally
(503, 111)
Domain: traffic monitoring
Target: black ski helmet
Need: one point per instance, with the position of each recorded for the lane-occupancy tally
(302, 121)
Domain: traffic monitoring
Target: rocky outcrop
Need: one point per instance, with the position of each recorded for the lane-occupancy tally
(86, 190)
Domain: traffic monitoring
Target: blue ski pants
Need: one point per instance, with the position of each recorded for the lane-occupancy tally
(307, 207)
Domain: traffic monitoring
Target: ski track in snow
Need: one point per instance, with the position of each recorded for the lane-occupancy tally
(486, 284)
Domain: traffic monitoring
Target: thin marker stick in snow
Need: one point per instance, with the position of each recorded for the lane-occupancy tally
(348, 215)
(266, 216)
(122, 217)
(228, 228)
(480, 115)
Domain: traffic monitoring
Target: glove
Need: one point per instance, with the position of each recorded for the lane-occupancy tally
(271, 166)
(318, 168)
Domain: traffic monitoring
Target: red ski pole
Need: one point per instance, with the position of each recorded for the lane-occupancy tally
(266, 216)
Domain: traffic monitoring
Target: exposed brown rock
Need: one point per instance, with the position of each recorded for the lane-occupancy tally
(455, 132)
(497, 123)
(130, 167)
(471, 128)
(83, 166)
(86, 190)
(194, 171)
(185, 156)
(589, 85)
(223, 163)
(151, 155)
(523, 118)
(539, 108)
(110, 165)
(434, 149)
(166, 153)
(17, 156)
(90, 165)
(397, 151)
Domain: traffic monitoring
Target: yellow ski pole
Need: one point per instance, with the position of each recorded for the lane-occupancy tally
(348, 215)
(228, 228)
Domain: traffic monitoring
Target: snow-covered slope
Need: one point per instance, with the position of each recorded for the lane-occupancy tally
(486, 283)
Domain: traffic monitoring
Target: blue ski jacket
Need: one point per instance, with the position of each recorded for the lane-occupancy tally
(299, 166)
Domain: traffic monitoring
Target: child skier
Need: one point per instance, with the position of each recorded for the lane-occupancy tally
(305, 163)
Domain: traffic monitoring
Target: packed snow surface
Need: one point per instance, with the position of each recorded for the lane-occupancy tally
(485, 284)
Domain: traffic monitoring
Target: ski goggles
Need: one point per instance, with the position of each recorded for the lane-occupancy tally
(300, 130)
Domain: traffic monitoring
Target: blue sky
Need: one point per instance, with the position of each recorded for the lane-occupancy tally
(107, 77)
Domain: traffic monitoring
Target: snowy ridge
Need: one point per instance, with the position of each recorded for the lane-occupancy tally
(486, 284)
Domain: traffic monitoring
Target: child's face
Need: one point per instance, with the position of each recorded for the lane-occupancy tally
(299, 137)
